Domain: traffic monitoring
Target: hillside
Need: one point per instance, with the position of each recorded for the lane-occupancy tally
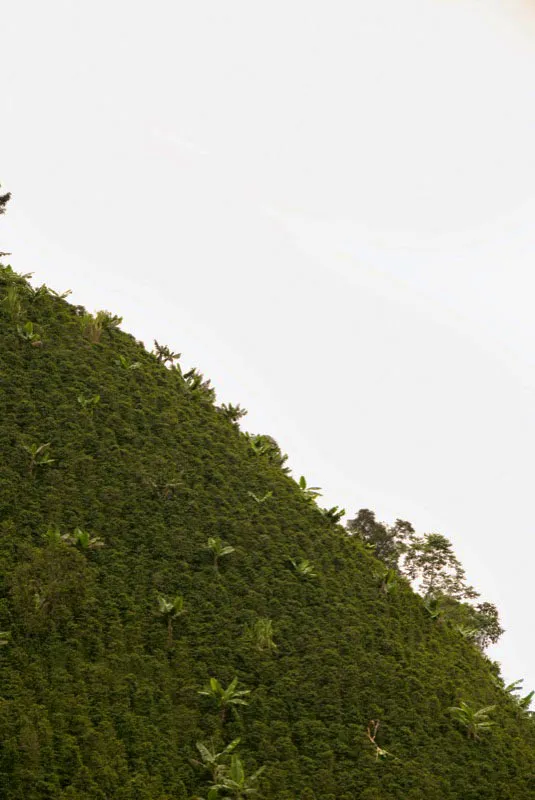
(116, 472)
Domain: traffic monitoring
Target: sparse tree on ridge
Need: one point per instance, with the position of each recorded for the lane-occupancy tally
(389, 543)
(4, 200)
(431, 562)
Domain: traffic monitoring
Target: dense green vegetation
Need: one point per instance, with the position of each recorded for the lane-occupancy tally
(178, 613)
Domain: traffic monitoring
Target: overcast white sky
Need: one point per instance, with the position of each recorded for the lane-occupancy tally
(328, 208)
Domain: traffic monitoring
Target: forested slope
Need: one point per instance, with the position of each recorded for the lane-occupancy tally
(116, 472)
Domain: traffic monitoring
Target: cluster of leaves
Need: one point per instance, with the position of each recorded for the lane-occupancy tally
(101, 665)
(228, 778)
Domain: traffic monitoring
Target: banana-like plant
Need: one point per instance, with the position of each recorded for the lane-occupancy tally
(53, 535)
(260, 634)
(227, 698)
(309, 492)
(27, 333)
(523, 703)
(60, 295)
(232, 413)
(219, 549)
(213, 794)
(234, 781)
(196, 382)
(466, 632)
(164, 354)
(333, 514)
(388, 579)
(12, 301)
(511, 688)
(10, 277)
(303, 567)
(264, 445)
(258, 444)
(213, 760)
(89, 403)
(39, 455)
(5, 637)
(171, 610)
(38, 292)
(260, 499)
(474, 721)
(124, 363)
(433, 606)
(83, 539)
(92, 326)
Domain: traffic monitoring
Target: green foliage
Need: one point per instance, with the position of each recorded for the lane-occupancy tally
(171, 610)
(434, 607)
(218, 548)
(212, 760)
(233, 413)
(303, 567)
(93, 326)
(164, 354)
(225, 698)
(260, 634)
(235, 782)
(430, 560)
(124, 363)
(196, 383)
(309, 492)
(98, 700)
(430, 563)
(264, 445)
(387, 578)
(388, 543)
(39, 455)
(89, 403)
(28, 334)
(83, 540)
(12, 301)
(262, 499)
(333, 514)
(474, 721)
(523, 703)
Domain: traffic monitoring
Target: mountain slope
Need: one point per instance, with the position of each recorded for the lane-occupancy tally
(100, 692)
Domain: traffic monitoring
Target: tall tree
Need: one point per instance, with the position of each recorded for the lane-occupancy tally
(431, 562)
(389, 542)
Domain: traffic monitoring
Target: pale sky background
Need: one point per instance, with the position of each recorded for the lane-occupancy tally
(328, 208)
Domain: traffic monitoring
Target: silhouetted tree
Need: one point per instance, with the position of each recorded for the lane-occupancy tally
(389, 542)
(4, 200)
